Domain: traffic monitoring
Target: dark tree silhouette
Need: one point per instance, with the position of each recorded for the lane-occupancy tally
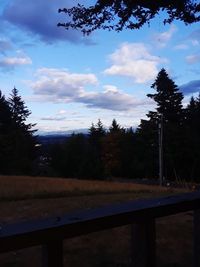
(169, 105)
(96, 132)
(23, 141)
(192, 144)
(168, 99)
(115, 127)
(19, 111)
(95, 139)
(112, 150)
(5, 134)
(125, 14)
(5, 115)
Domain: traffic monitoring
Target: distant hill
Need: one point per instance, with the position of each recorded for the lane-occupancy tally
(54, 137)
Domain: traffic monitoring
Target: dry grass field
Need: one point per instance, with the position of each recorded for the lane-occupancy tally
(25, 198)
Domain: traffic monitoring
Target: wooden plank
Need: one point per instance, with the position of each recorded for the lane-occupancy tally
(17, 236)
(143, 244)
(196, 238)
(53, 254)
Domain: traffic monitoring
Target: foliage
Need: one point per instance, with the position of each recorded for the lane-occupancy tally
(120, 152)
(125, 14)
(192, 133)
(168, 109)
(5, 133)
(112, 152)
(168, 99)
(16, 139)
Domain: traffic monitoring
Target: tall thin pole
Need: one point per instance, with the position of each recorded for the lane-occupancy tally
(160, 138)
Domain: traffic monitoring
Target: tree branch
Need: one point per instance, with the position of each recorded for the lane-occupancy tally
(128, 14)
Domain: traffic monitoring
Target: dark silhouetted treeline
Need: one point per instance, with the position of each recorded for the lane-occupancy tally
(114, 152)
(119, 152)
(17, 143)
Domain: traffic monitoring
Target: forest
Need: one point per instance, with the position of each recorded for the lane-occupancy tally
(106, 153)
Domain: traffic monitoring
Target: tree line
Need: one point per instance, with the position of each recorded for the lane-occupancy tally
(133, 153)
(113, 152)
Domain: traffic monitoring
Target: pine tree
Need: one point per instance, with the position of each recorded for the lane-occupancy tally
(96, 134)
(192, 144)
(5, 114)
(169, 105)
(23, 140)
(193, 114)
(20, 112)
(112, 150)
(115, 127)
(168, 99)
(5, 134)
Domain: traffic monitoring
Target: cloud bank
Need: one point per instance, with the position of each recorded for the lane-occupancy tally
(61, 86)
(40, 18)
(191, 87)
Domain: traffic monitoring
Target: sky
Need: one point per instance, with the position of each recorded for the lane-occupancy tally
(69, 81)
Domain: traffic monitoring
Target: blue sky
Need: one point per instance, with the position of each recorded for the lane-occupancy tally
(69, 80)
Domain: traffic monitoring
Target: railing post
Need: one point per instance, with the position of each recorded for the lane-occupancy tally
(53, 254)
(196, 238)
(143, 244)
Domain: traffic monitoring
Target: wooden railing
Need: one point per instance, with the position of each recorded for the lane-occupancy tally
(141, 214)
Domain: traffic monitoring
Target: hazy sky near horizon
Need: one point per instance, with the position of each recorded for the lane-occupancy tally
(69, 80)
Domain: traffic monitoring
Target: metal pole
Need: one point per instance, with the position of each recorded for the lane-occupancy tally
(160, 137)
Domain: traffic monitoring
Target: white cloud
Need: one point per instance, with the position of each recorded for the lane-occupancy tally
(192, 59)
(53, 118)
(135, 61)
(194, 37)
(163, 38)
(10, 62)
(15, 61)
(181, 47)
(195, 42)
(62, 111)
(110, 98)
(61, 84)
(54, 85)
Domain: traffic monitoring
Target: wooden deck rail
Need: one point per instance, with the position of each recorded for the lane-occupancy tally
(141, 214)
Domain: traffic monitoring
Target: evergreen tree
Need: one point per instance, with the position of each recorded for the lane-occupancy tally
(70, 158)
(23, 141)
(5, 134)
(192, 144)
(169, 107)
(115, 127)
(95, 139)
(20, 112)
(168, 99)
(112, 150)
(5, 115)
(96, 132)
(193, 114)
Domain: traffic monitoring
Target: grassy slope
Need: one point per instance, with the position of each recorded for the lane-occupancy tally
(25, 187)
